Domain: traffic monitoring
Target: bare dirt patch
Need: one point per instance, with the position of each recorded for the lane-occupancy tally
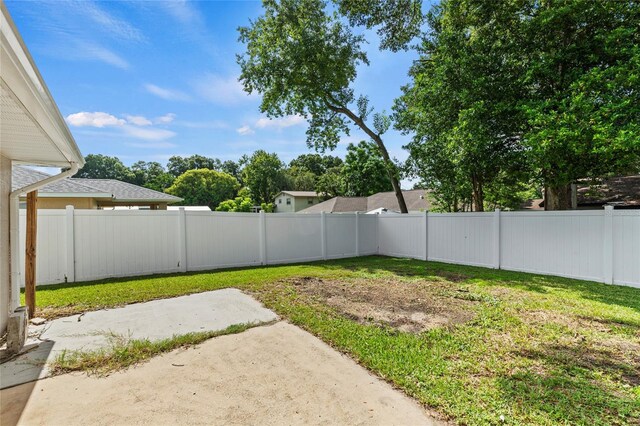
(413, 306)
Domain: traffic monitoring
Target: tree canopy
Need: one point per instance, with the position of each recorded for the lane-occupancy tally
(264, 176)
(303, 61)
(98, 166)
(204, 187)
(363, 173)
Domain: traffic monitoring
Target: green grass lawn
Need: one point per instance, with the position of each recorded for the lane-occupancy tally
(537, 349)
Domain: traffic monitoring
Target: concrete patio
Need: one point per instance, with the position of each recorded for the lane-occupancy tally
(272, 374)
(155, 320)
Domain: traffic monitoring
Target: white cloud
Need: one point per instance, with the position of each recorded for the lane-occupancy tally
(149, 134)
(165, 119)
(135, 126)
(167, 94)
(138, 120)
(182, 11)
(214, 124)
(96, 52)
(221, 90)
(280, 123)
(94, 119)
(112, 25)
(245, 130)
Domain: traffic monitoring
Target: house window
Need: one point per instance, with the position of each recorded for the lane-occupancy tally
(309, 200)
(288, 201)
(279, 200)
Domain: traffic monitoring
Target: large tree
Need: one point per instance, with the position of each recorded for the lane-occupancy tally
(264, 175)
(316, 163)
(462, 105)
(204, 187)
(583, 100)
(303, 61)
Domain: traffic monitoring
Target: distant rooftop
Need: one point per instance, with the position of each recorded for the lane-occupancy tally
(301, 193)
(416, 200)
(112, 189)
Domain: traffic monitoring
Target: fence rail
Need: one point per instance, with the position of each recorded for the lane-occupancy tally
(83, 245)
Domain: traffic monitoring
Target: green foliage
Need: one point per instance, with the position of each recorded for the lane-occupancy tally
(204, 187)
(509, 93)
(298, 179)
(264, 176)
(583, 111)
(151, 175)
(315, 163)
(232, 168)
(98, 166)
(331, 183)
(303, 61)
(398, 21)
(267, 207)
(178, 165)
(461, 107)
(238, 204)
(364, 172)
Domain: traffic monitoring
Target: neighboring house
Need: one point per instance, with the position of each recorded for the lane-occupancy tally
(623, 192)
(382, 202)
(32, 131)
(90, 193)
(294, 201)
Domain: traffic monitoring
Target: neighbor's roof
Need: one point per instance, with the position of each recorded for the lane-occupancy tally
(112, 189)
(123, 191)
(415, 199)
(301, 193)
(23, 176)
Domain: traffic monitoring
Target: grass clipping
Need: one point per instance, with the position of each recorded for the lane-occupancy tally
(124, 352)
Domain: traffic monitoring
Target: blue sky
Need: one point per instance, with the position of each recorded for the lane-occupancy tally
(150, 79)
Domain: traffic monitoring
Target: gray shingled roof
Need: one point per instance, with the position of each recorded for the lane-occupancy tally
(23, 176)
(123, 191)
(416, 200)
(98, 188)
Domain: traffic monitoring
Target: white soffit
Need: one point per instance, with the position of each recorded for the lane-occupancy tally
(32, 129)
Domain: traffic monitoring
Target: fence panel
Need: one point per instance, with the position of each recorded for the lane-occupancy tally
(401, 235)
(293, 237)
(557, 243)
(341, 235)
(368, 234)
(588, 245)
(222, 240)
(51, 247)
(465, 238)
(626, 247)
(122, 243)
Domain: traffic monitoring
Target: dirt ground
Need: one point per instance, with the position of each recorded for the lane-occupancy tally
(269, 375)
(408, 306)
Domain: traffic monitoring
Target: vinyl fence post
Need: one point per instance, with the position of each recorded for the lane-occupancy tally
(426, 235)
(323, 234)
(70, 242)
(263, 237)
(357, 234)
(607, 245)
(182, 215)
(496, 239)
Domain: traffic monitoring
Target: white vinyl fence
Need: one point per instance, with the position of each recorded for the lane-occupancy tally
(83, 245)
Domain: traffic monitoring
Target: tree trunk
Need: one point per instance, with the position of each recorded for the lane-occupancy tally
(557, 197)
(391, 168)
(478, 196)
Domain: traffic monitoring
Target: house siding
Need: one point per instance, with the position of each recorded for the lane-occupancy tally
(297, 203)
(5, 261)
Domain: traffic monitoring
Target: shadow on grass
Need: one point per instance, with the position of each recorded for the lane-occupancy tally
(608, 294)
